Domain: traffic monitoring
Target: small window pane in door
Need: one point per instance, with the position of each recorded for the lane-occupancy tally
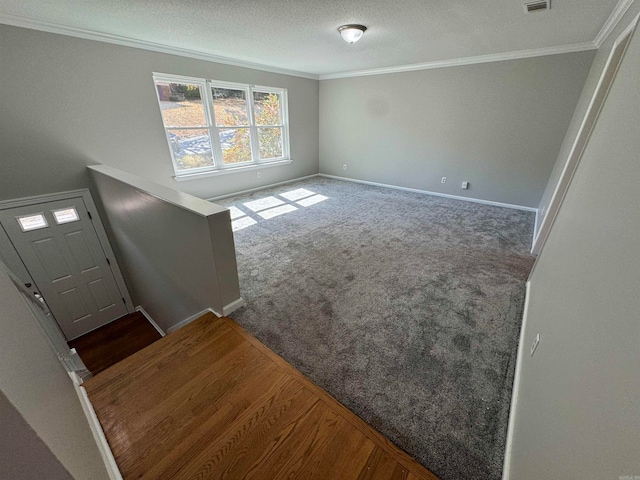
(66, 215)
(32, 222)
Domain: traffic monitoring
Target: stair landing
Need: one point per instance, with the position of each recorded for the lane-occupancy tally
(210, 401)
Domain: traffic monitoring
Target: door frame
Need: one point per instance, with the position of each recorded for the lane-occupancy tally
(598, 99)
(96, 221)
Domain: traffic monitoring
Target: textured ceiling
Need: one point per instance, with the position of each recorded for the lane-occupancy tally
(301, 35)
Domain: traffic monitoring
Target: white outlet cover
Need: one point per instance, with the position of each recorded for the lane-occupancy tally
(444, 180)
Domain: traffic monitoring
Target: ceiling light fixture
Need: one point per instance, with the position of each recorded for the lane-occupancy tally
(352, 32)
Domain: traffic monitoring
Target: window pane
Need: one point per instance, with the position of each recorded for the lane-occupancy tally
(181, 105)
(32, 222)
(191, 148)
(267, 108)
(230, 107)
(66, 215)
(270, 140)
(236, 145)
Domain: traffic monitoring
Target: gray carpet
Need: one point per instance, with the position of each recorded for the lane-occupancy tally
(405, 307)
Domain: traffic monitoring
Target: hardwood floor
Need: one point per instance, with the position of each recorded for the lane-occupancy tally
(115, 341)
(210, 402)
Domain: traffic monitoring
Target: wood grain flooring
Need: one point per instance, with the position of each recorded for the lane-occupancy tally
(115, 341)
(211, 402)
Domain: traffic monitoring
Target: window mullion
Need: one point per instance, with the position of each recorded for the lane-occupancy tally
(253, 131)
(284, 120)
(173, 127)
(214, 134)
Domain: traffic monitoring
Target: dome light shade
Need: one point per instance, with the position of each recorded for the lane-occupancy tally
(352, 33)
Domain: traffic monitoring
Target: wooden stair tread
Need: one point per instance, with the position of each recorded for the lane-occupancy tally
(112, 343)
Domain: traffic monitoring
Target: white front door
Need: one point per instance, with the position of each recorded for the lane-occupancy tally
(58, 245)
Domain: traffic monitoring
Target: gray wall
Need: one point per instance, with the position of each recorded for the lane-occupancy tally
(23, 455)
(178, 250)
(578, 413)
(498, 126)
(67, 103)
(590, 85)
(35, 383)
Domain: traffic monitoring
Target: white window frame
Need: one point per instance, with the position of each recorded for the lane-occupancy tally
(218, 166)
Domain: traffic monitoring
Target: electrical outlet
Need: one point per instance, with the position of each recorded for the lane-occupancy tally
(344, 167)
(259, 174)
(465, 185)
(444, 180)
(535, 343)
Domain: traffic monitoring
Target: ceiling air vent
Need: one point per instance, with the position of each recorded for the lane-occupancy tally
(537, 6)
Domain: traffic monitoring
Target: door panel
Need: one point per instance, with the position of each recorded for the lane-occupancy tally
(78, 244)
(100, 294)
(61, 250)
(54, 264)
(75, 306)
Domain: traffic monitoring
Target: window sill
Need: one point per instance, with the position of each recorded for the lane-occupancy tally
(224, 171)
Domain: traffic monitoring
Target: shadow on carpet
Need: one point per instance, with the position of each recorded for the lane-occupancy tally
(405, 307)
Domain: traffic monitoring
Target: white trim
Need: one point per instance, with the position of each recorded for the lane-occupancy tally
(96, 429)
(251, 190)
(50, 27)
(435, 194)
(226, 310)
(580, 142)
(613, 20)
(607, 28)
(49, 197)
(150, 320)
(233, 306)
(224, 171)
(190, 319)
(506, 469)
(535, 228)
(456, 62)
(74, 364)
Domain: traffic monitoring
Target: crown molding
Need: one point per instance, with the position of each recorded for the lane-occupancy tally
(24, 22)
(611, 23)
(456, 62)
(613, 20)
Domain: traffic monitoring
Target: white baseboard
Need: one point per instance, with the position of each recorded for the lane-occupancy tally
(96, 429)
(190, 319)
(257, 189)
(506, 469)
(435, 194)
(150, 320)
(236, 304)
(226, 310)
